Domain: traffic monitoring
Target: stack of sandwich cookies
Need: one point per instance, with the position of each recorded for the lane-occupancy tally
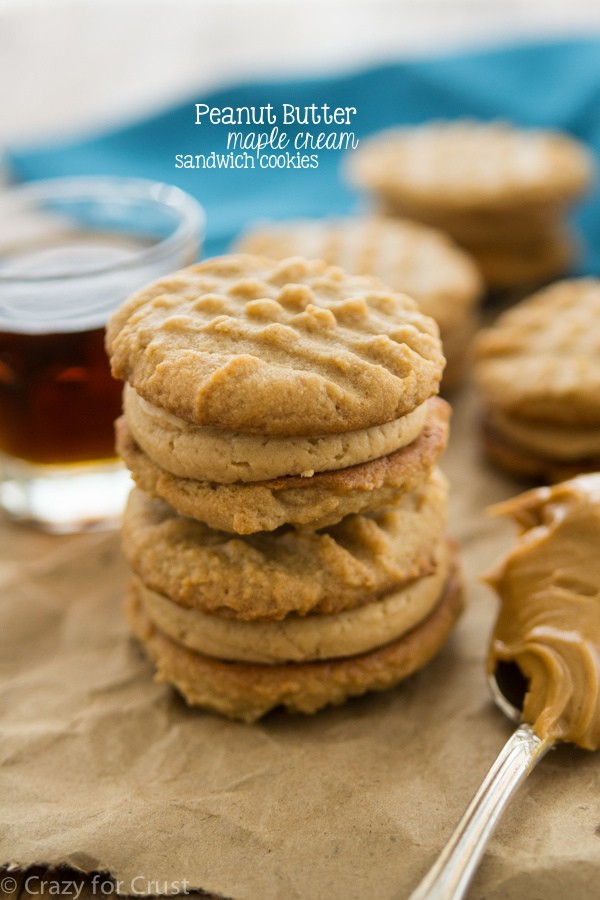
(501, 192)
(236, 368)
(407, 256)
(538, 373)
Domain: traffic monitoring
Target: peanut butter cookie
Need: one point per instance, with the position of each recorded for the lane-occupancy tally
(538, 372)
(502, 192)
(310, 501)
(270, 575)
(254, 346)
(249, 690)
(469, 165)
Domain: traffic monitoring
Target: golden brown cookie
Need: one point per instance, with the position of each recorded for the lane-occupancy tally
(405, 255)
(467, 165)
(268, 576)
(301, 638)
(530, 465)
(247, 691)
(562, 442)
(538, 372)
(540, 361)
(312, 502)
(254, 346)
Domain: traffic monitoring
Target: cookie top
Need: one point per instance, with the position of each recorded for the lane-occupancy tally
(405, 255)
(541, 360)
(468, 164)
(269, 575)
(293, 347)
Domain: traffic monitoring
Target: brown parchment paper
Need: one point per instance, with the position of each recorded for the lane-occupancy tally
(103, 770)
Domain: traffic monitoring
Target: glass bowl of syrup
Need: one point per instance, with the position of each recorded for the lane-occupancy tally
(71, 251)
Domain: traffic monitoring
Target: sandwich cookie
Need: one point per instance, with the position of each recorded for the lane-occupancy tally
(538, 373)
(322, 364)
(210, 604)
(500, 191)
(309, 499)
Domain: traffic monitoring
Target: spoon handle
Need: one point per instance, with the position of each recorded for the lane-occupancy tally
(449, 877)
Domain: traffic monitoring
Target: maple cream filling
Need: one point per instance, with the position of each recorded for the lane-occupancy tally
(549, 619)
(561, 442)
(297, 638)
(212, 454)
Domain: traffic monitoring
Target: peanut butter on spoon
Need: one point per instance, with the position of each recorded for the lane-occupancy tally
(548, 628)
(544, 659)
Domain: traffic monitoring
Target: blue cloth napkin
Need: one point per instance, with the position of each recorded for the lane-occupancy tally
(550, 85)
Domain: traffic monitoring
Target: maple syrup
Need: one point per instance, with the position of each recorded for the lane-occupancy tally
(58, 400)
(71, 251)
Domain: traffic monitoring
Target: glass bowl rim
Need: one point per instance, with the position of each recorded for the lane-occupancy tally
(104, 188)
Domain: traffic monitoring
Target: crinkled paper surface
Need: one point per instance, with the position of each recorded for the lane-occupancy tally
(104, 770)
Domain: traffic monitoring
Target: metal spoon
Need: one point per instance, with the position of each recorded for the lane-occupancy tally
(450, 875)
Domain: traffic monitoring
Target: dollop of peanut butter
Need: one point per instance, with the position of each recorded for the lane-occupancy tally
(549, 619)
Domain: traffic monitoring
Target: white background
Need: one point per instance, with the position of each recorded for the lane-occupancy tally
(70, 65)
